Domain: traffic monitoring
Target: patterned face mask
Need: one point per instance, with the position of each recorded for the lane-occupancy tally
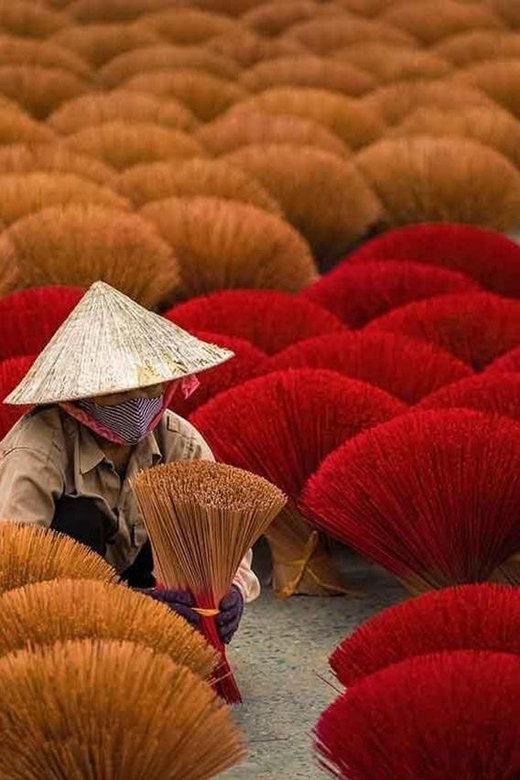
(131, 421)
(126, 423)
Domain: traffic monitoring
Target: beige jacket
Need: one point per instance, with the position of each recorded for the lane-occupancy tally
(48, 454)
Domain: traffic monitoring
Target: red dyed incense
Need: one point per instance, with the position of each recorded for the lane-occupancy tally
(469, 617)
(360, 292)
(434, 497)
(476, 328)
(248, 361)
(12, 372)
(494, 392)
(434, 717)
(406, 368)
(283, 425)
(31, 317)
(489, 257)
(508, 362)
(269, 319)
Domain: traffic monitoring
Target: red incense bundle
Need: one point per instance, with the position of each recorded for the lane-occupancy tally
(468, 617)
(202, 518)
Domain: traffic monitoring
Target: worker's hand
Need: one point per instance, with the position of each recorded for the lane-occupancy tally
(180, 602)
(231, 611)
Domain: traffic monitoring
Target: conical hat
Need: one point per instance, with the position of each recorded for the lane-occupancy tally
(110, 344)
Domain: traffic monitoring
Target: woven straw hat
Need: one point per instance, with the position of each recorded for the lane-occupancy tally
(110, 344)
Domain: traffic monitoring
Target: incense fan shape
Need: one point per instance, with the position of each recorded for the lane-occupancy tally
(202, 518)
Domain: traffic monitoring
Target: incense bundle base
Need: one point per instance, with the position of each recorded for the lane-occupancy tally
(301, 564)
(225, 683)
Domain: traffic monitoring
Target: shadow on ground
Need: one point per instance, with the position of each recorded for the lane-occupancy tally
(280, 657)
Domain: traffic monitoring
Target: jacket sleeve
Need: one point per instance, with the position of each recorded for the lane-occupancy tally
(30, 484)
(245, 578)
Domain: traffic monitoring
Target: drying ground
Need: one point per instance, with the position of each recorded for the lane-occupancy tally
(280, 656)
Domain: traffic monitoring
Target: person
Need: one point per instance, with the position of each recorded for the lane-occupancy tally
(99, 395)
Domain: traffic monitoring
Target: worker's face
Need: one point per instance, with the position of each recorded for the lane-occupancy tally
(155, 391)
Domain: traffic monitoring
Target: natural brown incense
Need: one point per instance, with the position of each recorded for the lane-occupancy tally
(65, 609)
(30, 553)
(202, 517)
(107, 710)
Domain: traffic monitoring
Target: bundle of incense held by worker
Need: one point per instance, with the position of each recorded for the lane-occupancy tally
(202, 517)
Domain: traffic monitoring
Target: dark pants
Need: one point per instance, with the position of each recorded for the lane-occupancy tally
(83, 520)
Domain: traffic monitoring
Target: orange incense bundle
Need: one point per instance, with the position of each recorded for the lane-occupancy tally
(31, 553)
(202, 518)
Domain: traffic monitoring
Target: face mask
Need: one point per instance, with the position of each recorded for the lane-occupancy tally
(126, 423)
(135, 418)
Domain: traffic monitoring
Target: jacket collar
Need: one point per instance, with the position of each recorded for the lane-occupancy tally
(90, 455)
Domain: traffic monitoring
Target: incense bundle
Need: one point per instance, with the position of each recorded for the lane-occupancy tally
(425, 179)
(494, 392)
(162, 57)
(23, 51)
(475, 327)
(434, 717)
(394, 102)
(205, 95)
(92, 11)
(99, 43)
(194, 178)
(248, 48)
(202, 518)
(30, 20)
(237, 129)
(353, 121)
(90, 609)
(433, 496)
(468, 617)
(490, 258)
(486, 124)
(12, 371)
(121, 144)
(30, 553)
(186, 26)
(121, 105)
(269, 319)
(430, 22)
(27, 193)
(272, 18)
(40, 91)
(110, 710)
(498, 79)
(322, 196)
(479, 45)
(307, 70)
(387, 62)
(323, 36)
(360, 292)
(18, 127)
(20, 158)
(406, 368)
(78, 245)
(31, 317)
(223, 244)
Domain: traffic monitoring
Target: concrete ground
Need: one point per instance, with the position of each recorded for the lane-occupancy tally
(280, 658)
